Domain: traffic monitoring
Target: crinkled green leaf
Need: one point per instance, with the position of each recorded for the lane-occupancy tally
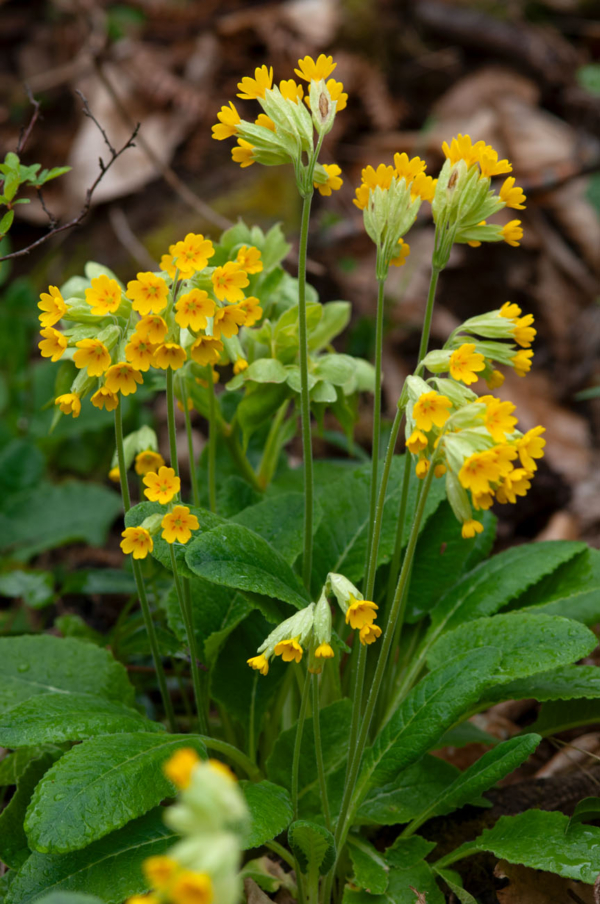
(561, 715)
(68, 717)
(270, 812)
(371, 871)
(567, 683)
(312, 845)
(99, 786)
(407, 852)
(400, 888)
(43, 664)
(573, 590)
(14, 848)
(529, 643)
(110, 868)
(279, 521)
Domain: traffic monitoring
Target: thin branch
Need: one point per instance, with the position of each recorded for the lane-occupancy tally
(104, 168)
(26, 133)
(51, 218)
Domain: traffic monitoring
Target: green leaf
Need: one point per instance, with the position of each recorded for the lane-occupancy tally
(371, 871)
(233, 556)
(68, 717)
(335, 726)
(110, 868)
(466, 733)
(539, 839)
(562, 715)
(412, 791)
(278, 520)
(260, 402)
(567, 683)
(69, 897)
(42, 664)
(6, 222)
(49, 516)
(312, 845)
(265, 370)
(244, 693)
(529, 643)
(494, 583)
(573, 590)
(400, 888)
(407, 852)
(270, 812)
(52, 174)
(483, 774)
(430, 708)
(335, 319)
(453, 881)
(35, 588)
(21, 466)
(588, 808)
(442, 556)
(162, 549)
(99, 786)
(14, 764)
(14, 849)
(216, 612)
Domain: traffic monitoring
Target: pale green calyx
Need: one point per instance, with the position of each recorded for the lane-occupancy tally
(322, 107)
(388, 216)
(152, 523)
(298, 625)
(343, 590)
(322, 625)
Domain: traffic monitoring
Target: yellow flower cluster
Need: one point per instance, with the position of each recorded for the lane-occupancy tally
(162, 320)
(283, 98)
(412, 170)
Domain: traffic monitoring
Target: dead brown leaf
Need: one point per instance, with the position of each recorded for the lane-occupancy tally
(533, 886)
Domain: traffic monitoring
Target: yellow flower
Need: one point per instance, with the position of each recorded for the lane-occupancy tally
(52, 306)
(179, 524)
(248, 259)
(312, 71)
(206, 350)
(510, 310)
(416, 442)
(92, 354)
(522, 361)
(162, 486)
(289, 650)
(408, 169)
(512, 195)
(148, 293)
(251, 88)
(192, 254)
(53, 343)
(360, 612)
(242, 154)
(371, 178)
(114, 474)
(222, 769)
(170, 354)
(478, 471)
(495, 380)
(422, 469)
(512, 233)
(229, 120)
(465, 363)
(69, 403)
(470, 528)
(167, 262)
(498, 419)
(523, 332)
(260, 663)
(153, 328)
(531, 446)
(143, 899)
(159, 871)
(180, 766)
(369, 633)
(291, 90)
(337, 94)
(192, 888)
(324, 651)
(462, 148)
(123, 378)
(439, 470)
(431, 408)
(104, 297)
(240, 366)
(477, 244)
(514, 484)
(137, 541)
(104, 398)
(229, 282)
(423, 187)
(265, 121)
(490, 165)
(228, 320)
(148, 461)
(482, 500)
(333, 179)
(139, 351)
(252, 309)
(403, 252)
(193, 309)
(503, 456)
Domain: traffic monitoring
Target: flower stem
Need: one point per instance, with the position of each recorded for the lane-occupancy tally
(188, 430)
(236, 756)
(184, 597)
(304, 397)
(171, 421)
(298, 743)
(212, 444)
(139, 578)
(316, 708)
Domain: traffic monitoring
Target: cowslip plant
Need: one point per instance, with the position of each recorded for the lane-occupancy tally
(339, 623)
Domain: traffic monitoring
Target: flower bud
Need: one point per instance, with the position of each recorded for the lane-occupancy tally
(322, 107)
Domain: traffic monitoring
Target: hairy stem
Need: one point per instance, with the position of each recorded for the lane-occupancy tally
(304, 393)
(212, 444)
(316, 708)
